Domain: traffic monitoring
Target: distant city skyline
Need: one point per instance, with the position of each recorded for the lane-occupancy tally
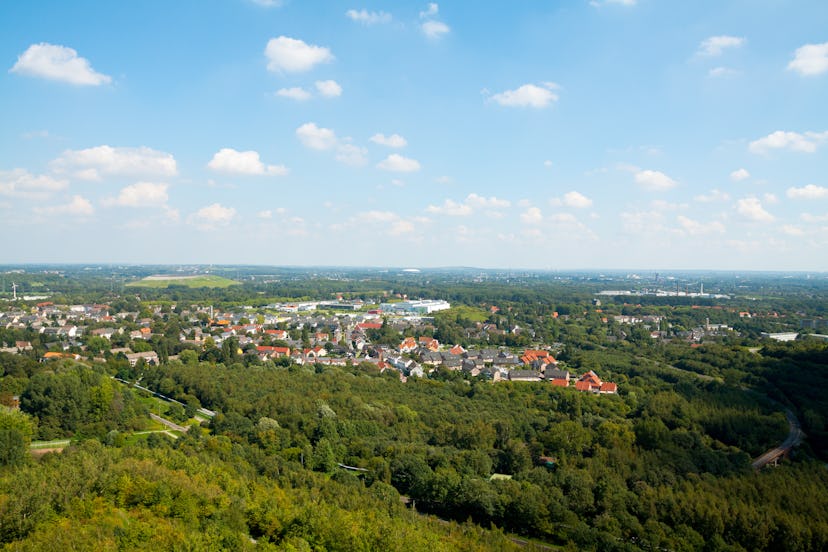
(634, 134)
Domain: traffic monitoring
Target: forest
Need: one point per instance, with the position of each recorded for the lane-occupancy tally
(319, 457)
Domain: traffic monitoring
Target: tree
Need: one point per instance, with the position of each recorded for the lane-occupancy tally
(16, 431)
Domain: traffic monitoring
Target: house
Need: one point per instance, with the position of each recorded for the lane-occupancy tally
(525, 375)
(277, 334)
(592, 383)
(408, 344)
(429, 343)
(150, 357)
(457, 350)
(558, 378)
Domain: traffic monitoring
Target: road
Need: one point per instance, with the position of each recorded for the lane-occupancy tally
(172, 425)
(795, 436)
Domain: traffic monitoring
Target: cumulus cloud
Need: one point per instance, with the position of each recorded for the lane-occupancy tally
(490, 205)
(792, 230)
(794, 141)
(599, 3)
(576, 200)
(320, 138)
(719, 72)
(230, 161)
(715, 45)
(654, 180)
(811, 191)
(60, 63)
(450, 208)
(315, 137)
(393, 141)
(368, 17)
(398, 163)
(751, 209)
(532, 215)
(352, 155)
(492, 202)
(528, 95)
(328, 88)
(432, 28)
(696, 228)
(739, 174)
(295, 93)
(22, 184)
(810, 59)
(213, 215)
(79, 206)
(291, 55)
(712, 197)
(266, 214)
(140, 194)
(435, 29)
(93, 163)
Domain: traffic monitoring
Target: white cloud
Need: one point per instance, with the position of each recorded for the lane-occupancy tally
(140, 194)
(328, 88)
(266, 214)
(401, 227)
(576, 200)
(492, 202)
(432, 28)
(751, 209)
(432, 10)
(393, 141)
(368, 18)
(450, 208)
(715, 45)
(528, 95)
(810, 59)
(268, 3)
(654, 180)
(770, 198)
(739, 175)
(435, 29)
(315, 137)
(808, 217)
(696, 228)
(352, 155)
(213, 215)
(794, 141)
(53, 62)
(295, 93)
(811, 191)
(398, 163)
(792, 230)
(377, 216)
(93, 163)
(532, 215)
(292, 55)
(228, 160)
(444, 180)
(721, 72)
(21, 183)
(713, 197)
(78, 207)
(599, 3)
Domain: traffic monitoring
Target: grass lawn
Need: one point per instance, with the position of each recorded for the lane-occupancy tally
(207, 280)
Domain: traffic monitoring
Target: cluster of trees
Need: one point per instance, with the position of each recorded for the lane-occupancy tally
(65, 399)
(670, 438)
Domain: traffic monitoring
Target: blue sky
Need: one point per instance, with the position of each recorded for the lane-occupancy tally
(646, 134)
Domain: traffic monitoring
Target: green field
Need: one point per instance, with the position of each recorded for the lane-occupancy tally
(207, 280)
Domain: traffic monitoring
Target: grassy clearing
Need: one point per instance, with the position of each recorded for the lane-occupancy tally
(207, 280)
(468, 313)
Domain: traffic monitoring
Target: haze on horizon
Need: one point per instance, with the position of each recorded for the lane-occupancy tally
(584, 134)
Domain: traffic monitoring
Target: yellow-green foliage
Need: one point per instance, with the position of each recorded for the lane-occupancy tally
(208, 280)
